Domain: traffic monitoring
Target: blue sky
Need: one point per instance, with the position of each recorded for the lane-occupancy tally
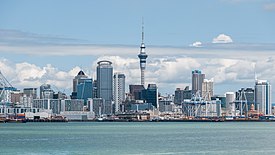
(50, 37)
(176, 22)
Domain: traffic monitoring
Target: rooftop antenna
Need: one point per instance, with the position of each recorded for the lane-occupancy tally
(255, 74)
(142, 37)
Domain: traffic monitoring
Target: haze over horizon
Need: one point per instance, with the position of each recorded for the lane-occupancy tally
(50, 41)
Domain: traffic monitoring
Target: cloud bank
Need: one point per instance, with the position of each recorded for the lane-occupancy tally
(231, 65)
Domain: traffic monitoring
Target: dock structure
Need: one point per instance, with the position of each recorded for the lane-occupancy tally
(198, 107)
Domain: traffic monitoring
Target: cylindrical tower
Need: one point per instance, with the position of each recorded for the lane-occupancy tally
(142, 59)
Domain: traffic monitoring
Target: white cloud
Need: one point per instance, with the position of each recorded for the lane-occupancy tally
(169, 67)
(222, 38)
(24, 74)
(196, 44)
(169, 72)
(269, 7)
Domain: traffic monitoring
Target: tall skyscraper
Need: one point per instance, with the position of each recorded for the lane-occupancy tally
(263, 97)
(142, 58)
(207, 89)
(104, 74)
(119, 90)
(197, 80)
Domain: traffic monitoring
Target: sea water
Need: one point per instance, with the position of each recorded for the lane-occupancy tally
(137, 138)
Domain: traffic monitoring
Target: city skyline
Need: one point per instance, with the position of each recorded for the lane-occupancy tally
(34, 54)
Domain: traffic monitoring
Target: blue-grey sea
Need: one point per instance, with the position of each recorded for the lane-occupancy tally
(137, 138)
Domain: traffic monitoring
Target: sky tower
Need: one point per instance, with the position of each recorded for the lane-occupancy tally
(142, 57)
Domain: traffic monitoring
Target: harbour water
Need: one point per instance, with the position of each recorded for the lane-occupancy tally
(136, 138)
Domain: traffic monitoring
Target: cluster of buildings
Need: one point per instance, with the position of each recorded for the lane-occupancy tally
(106, 98)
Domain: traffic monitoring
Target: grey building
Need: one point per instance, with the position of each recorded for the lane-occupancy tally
(182, 94)
(165, 106)
(30, 92)
(104, 75)
(72, 104)
(136, 91)
(49, 104)
(119, 90)
(98, 106)
(46, 92)
(197, 80)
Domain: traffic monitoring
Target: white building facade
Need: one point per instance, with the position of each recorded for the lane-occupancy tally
(263, 97)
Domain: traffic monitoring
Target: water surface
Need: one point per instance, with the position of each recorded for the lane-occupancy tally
(137, 138)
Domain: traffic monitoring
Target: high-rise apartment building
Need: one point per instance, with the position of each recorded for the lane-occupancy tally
(263, 96)
(197, 80)
(118, 90)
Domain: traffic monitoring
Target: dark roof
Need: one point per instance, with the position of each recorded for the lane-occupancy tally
(81, 73)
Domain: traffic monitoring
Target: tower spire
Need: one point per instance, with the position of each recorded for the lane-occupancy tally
(142, 37)
(142, 57)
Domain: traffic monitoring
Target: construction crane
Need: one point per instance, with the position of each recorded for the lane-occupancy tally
(241, 103)
(5, 89)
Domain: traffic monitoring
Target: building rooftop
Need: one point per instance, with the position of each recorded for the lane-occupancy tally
(81, 73)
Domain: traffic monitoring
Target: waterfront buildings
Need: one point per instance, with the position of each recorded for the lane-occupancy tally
(104, 74)
(263, 97)
(49, 104)
(119, 90)
(197, 80)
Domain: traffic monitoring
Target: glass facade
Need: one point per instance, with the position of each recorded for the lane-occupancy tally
(105, 84)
